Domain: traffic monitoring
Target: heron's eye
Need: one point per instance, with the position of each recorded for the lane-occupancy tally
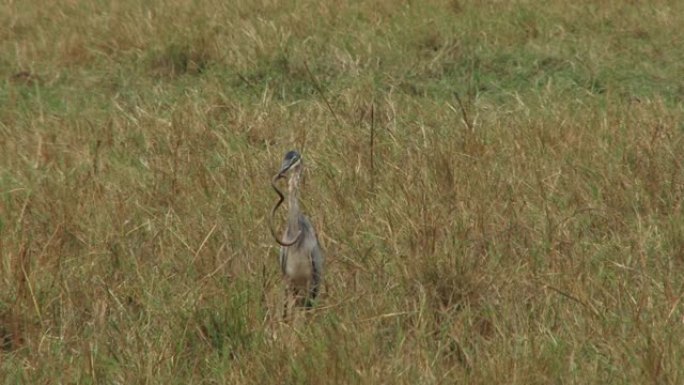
(291, 156)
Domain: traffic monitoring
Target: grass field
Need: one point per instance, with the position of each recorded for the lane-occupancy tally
(538, 240)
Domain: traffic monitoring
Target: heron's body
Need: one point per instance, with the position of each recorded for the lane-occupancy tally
(301, 262)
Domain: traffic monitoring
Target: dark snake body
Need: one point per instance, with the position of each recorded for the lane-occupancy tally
(270, 223)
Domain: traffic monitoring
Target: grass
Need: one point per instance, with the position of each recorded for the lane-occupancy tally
(544, 245)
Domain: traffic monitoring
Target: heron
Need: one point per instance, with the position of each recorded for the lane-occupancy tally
(301, 257)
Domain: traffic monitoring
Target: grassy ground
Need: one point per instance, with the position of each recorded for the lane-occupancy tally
(542, 242)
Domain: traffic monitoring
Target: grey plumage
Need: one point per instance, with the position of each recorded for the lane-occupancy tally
(301, 258)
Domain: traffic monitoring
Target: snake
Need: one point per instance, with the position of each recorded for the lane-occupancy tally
(280, 202)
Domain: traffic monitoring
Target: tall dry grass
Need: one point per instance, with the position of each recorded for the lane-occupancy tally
(538, 240)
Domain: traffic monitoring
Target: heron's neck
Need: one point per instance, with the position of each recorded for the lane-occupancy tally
(293, 200)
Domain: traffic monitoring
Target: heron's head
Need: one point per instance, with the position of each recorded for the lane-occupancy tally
(292, 161)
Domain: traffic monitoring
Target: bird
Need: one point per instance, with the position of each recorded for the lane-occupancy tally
(301, 256)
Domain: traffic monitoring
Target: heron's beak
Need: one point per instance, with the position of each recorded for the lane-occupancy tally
(286, 166)
(280, 174)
